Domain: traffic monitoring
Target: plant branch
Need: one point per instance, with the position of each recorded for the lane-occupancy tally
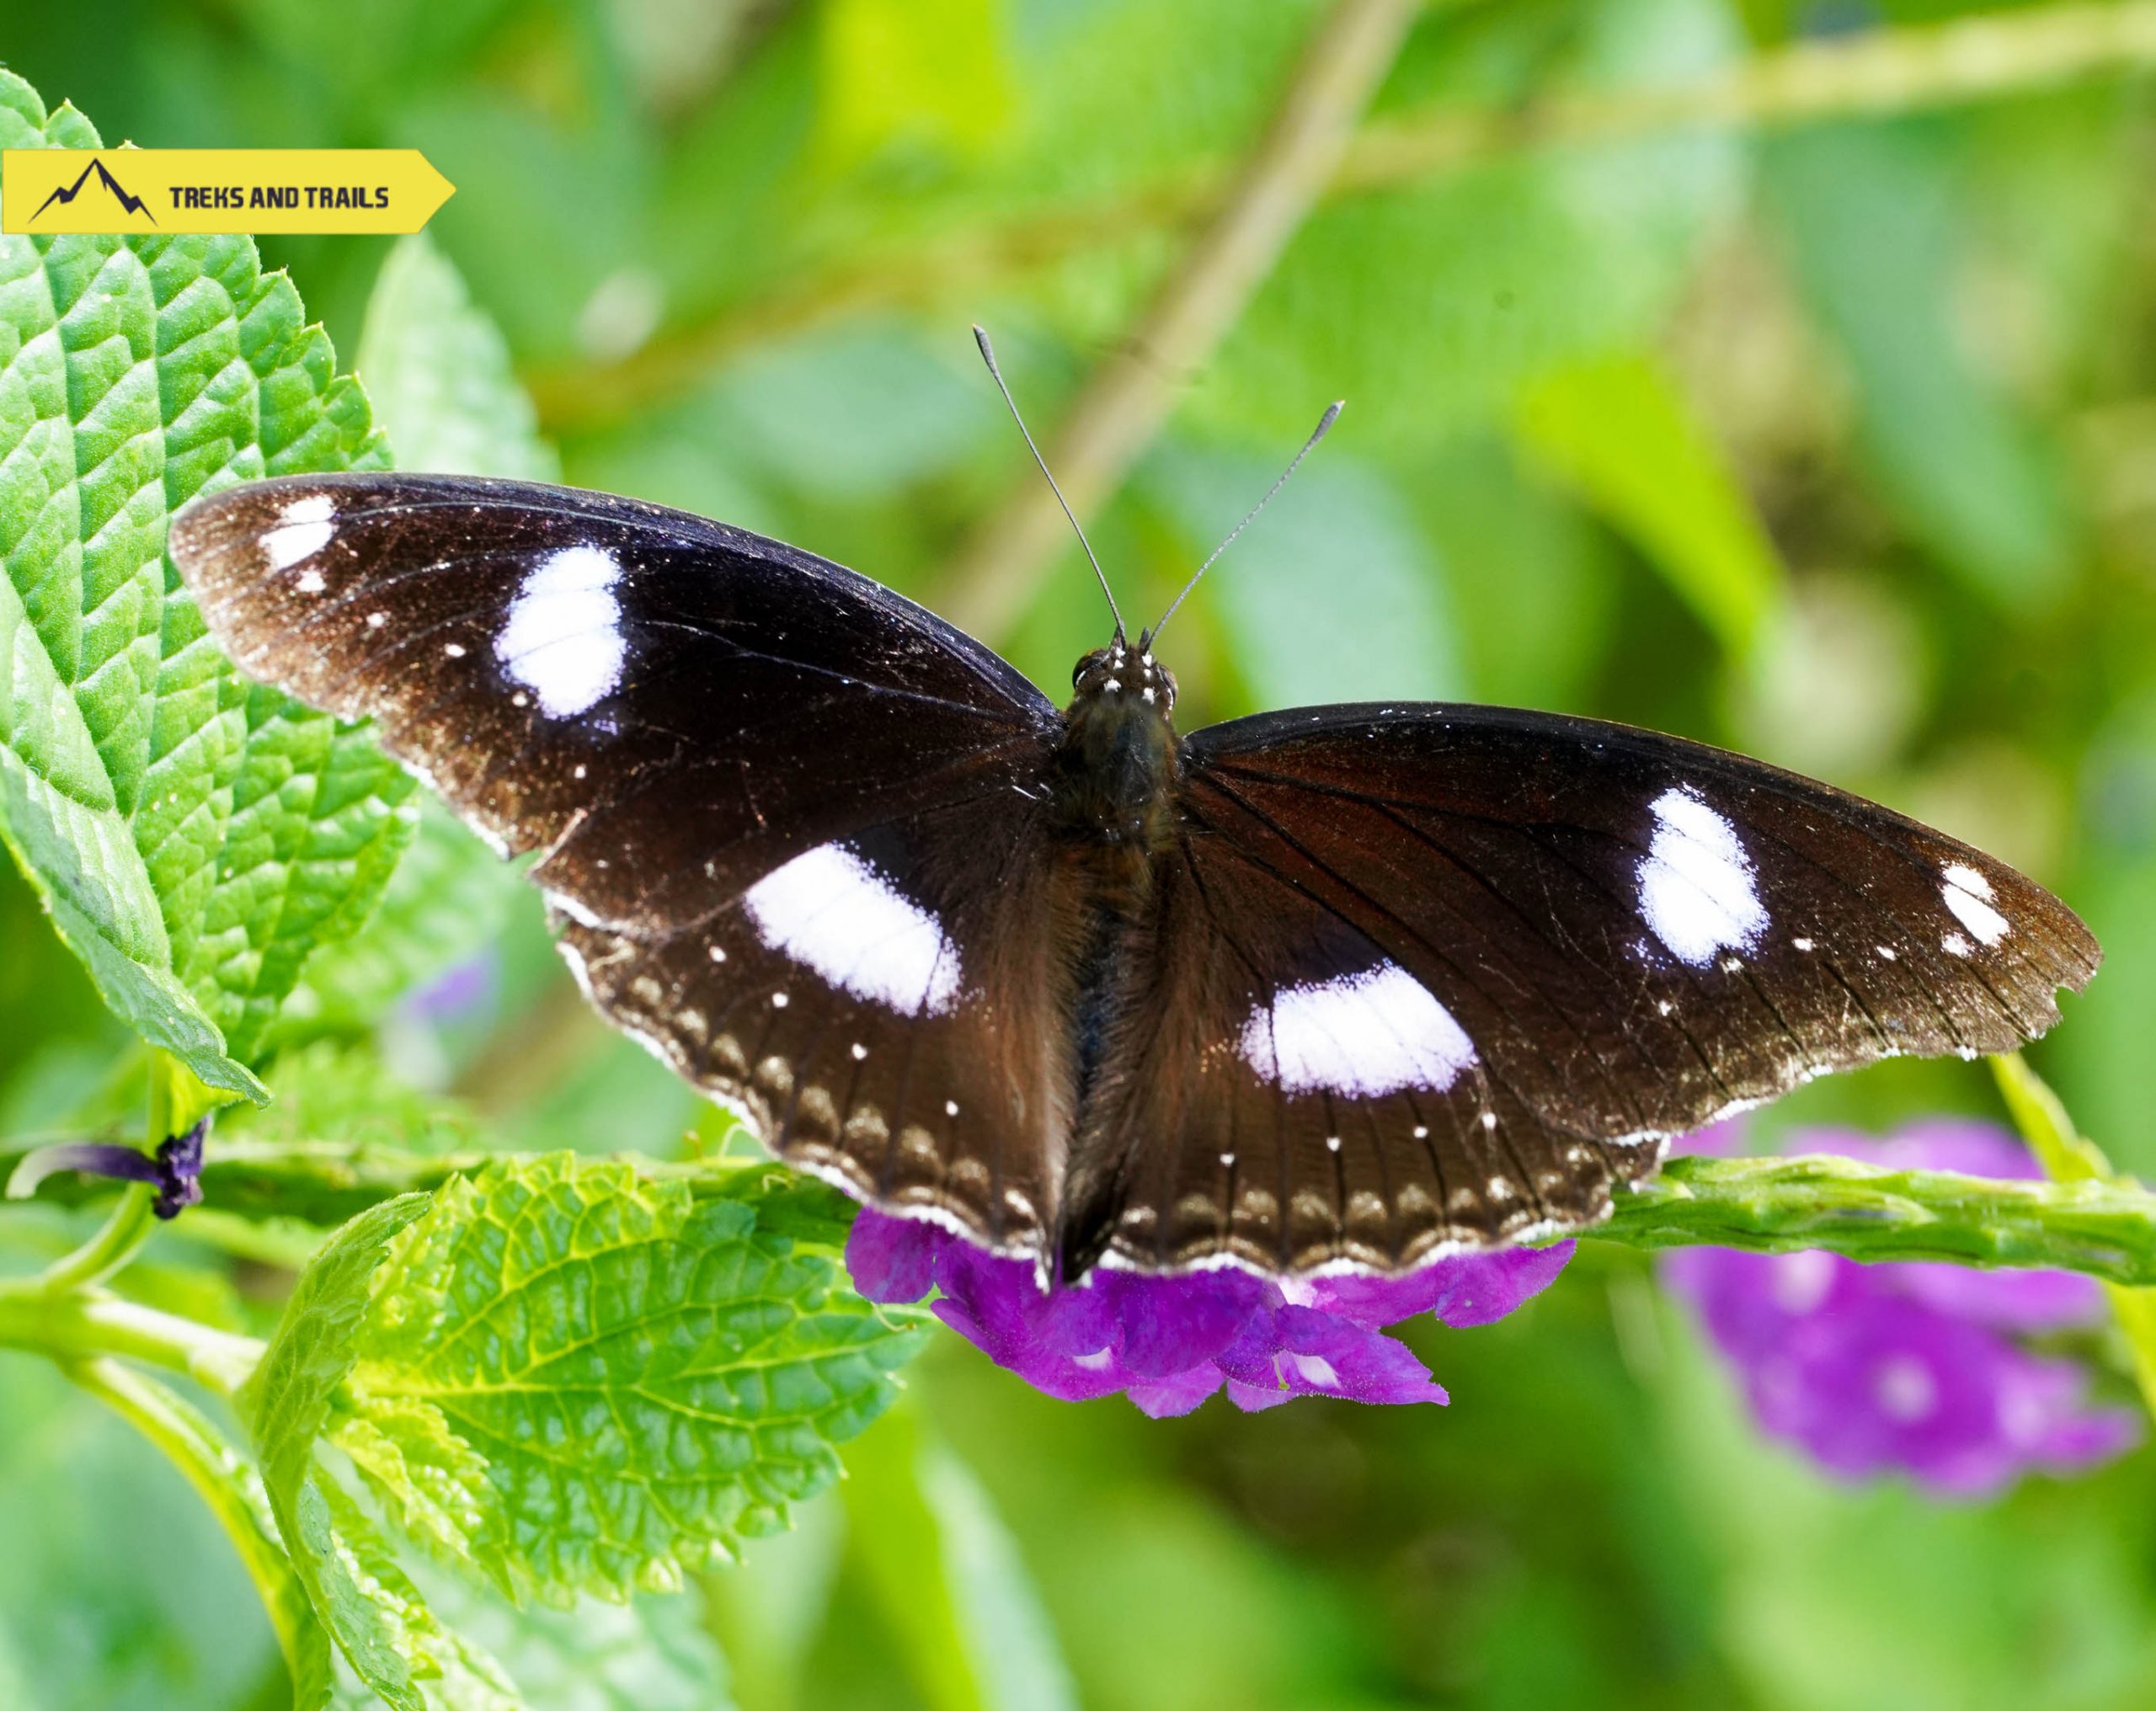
(321, 1184)
(1780, 1205)
(1127, 397)
(110, 1248)
(225, 1480)
(2106, 1230)
(81, 1325)
(1876, 72)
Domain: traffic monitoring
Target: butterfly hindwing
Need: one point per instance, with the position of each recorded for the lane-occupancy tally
(881, 1009)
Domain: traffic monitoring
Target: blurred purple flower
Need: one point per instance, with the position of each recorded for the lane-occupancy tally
(460, 992)
(1909, 1366)
(1168, 1343)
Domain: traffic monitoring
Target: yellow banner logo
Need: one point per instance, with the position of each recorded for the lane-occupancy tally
(138, 191)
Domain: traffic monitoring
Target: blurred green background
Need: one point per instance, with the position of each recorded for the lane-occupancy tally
(1827, 432)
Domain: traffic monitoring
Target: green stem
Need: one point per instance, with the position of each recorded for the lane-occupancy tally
(79, 1325)
(1779, 1204)
(110, 1248)
(225, 1480)
(323, 1183)
(2106, 1230)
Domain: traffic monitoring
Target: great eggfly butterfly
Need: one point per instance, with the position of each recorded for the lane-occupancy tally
(1342, 986)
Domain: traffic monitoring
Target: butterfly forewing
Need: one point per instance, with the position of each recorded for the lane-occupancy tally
(1449, 972)
(667, 708)
(777, 807)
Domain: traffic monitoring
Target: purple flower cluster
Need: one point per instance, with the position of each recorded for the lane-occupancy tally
(1913, 1368)
(1168, 1343)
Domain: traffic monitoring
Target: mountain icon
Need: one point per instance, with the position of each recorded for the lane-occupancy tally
(67, 193)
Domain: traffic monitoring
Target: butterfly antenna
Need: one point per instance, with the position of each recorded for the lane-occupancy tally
(988, 356)
(1324, 427)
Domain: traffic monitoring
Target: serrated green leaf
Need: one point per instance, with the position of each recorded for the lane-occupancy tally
(453, 1672)
(648, 1654)
(1619, 433)
(438, 371)
(641, 1379)
(288, 1403)
(1875, 231)
(194, 838)
(446, 903)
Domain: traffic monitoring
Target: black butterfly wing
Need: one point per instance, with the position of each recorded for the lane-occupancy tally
(1447, 973)
(772, 799)
(883, 1008)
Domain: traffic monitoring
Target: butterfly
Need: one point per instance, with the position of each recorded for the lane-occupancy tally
(1340, 988)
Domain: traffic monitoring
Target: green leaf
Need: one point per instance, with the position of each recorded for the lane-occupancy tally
(193, 838)
(117, 1590)
(911, 72)
(648, 1654)
(583, 1380)
(447, 902)
(288, 1402)
(2068, 1156)
(1875, 224)
(455, 1671)
(438, 370)
(946, 1576)
(1619, 432)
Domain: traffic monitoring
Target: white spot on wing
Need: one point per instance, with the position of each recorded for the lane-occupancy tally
(1968, 894)
(564, 638)
(303, 528)
(831, 911)
(1696, 890)
(1364, 1034)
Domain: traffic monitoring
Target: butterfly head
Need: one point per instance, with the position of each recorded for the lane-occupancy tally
(1119, 756)
(1121, 676)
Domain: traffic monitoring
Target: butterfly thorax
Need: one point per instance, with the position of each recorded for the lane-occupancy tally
(1118, 764)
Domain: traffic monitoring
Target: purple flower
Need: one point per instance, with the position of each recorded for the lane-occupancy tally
(460, 992)
(1875, 1368)
(174, 1170)
(1168, 1343)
